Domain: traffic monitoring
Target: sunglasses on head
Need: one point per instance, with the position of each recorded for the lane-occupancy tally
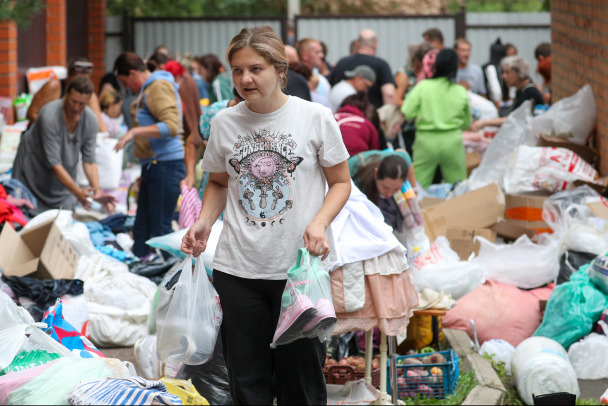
(83, 67)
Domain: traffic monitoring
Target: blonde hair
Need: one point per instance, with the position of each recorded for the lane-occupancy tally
(265, 42)
(107, 98)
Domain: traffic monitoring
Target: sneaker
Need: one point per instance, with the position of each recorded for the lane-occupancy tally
(293, 320)
(324, 319)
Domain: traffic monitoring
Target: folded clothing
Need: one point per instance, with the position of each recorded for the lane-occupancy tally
(130, 391)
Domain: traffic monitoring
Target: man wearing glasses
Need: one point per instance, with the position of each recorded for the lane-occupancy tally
(54, 89)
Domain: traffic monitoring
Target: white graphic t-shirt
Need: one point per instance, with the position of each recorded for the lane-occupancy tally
(276, 184)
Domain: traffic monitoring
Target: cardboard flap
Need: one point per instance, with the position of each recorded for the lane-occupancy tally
(16, 259)
(512, 232)
(480, 208)
(599, 208)
(58, 258)
(36, 236)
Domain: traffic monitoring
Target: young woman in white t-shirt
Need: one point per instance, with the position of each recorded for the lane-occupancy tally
(269, 161)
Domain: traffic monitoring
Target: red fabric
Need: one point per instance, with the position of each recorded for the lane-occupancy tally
(176, 68)
(8, 212)
(358, 133)
(499, 310)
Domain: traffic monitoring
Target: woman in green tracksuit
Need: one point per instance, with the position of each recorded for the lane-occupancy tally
(441, 109)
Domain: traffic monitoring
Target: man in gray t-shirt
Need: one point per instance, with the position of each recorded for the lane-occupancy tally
(469, 75)
(47, 157)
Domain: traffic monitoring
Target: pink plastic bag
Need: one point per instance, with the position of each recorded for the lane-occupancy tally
(191, 207)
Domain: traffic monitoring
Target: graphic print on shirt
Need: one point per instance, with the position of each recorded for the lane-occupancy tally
(265, 163)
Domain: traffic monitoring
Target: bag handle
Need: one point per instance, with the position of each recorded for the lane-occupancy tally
(303, 257)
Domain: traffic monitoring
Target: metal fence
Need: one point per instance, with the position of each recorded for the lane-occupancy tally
(212, 35)
(196, 36)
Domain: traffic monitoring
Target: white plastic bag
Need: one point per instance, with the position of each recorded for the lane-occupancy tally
(572, 118)
(19, 332)
(440, 269)
(189, 316)
(109, 162)
(574, 225)
(589, 357)
(482, 108)
(500, 351)
(545, 168)
(524, 264)
(514, 132)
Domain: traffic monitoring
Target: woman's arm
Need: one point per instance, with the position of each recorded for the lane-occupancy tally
(214, 203)
(315, 236)
(496, 122)
(193, 144)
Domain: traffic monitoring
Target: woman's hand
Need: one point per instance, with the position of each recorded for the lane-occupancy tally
(315, 240)
(195, 240)
(188, 181)
(477, 125)
(124, 140)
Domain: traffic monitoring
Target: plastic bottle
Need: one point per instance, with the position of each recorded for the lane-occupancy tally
(412, 201)
(405, 209)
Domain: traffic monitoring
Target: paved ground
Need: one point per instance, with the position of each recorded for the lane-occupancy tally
(121, 353)
(593, 389)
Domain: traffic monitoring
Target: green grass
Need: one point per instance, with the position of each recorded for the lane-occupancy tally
(478, 6)
(466, 382)
(588, 402)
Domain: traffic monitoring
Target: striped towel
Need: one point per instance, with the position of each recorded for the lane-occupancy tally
(130, 391)
(191, 207)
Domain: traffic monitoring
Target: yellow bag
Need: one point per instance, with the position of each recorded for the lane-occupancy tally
(419, 333)
(185, 391)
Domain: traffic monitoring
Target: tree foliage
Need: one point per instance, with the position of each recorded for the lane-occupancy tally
(156, 8)
(21, 11)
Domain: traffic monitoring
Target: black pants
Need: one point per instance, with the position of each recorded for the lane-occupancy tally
(292, 372)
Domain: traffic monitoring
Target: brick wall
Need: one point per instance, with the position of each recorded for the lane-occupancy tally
(56, 43)
(8, 59)
(579, 56)
(97, 39)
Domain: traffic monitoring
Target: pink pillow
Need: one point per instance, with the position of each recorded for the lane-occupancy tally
(499, 310)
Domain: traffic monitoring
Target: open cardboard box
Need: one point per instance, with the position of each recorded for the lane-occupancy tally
(461, 240)
(477, 209)
(525, 210)
(40, 252)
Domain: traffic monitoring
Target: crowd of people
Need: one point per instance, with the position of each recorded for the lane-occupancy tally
(284, 123)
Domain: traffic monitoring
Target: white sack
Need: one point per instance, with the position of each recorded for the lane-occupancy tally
(572, 118)
(440, 269)
(523, 264)
(545, 168)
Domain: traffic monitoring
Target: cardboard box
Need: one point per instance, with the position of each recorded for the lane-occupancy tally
(480, 208)
(473, 159)
(526, 211)
(40, 252)
(461, 240)
(510, 231)
(430, 201)
(589, 155)
(599, 208)
(601, 185)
